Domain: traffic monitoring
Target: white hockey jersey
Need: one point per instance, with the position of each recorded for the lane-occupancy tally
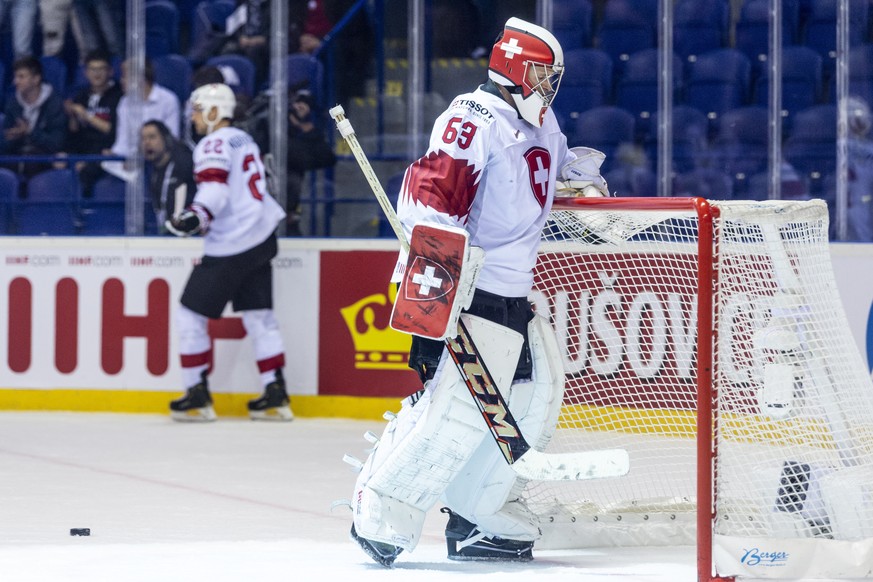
(232, 186)
(493, 174)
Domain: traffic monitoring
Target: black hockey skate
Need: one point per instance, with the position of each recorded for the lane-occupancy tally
(273, 404)
(466, 542)
(382, 553)
(195, 405)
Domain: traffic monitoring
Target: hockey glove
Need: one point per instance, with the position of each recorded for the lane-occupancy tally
(193, 219)
(581, 177)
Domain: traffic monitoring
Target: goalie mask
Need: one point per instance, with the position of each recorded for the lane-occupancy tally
(528, 61)
(216, 95)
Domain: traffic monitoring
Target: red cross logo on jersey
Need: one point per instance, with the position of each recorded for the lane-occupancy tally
(539, 164)
(427, 280)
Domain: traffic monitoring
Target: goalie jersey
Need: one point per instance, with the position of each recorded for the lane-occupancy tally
(232, 187)
(493, 174)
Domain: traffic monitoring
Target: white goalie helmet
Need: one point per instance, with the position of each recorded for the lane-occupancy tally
(216, 95)
(528, 60)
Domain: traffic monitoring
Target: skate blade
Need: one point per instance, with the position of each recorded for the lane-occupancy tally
(280, 413)
(206, 414)
(508, 558)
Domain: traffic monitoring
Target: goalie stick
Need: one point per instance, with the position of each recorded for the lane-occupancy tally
(526, 461)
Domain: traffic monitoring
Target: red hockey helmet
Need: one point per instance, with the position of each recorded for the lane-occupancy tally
(528, 60)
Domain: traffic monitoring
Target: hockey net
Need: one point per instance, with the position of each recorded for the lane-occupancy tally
(708, 339)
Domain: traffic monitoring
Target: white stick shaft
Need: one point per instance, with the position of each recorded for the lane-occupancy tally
(348, 133)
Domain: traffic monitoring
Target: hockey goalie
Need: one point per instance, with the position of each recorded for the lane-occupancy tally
(473, 208)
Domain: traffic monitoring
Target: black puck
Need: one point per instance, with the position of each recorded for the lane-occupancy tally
(80, 531)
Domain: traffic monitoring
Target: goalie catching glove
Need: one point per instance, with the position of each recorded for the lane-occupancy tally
(194, 219)
(581, 177)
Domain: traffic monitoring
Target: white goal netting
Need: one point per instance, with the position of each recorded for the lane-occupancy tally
(786, 390)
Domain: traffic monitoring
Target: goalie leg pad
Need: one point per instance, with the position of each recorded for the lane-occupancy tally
(426, 445)
(487, 491)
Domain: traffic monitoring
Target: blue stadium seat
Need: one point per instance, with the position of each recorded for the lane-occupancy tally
(801, 81)
(637, 87)
(741, 146)
(572, 23)
(690, 138)
(632, 181)
(104, 212)
(187, 9)
(2, 84)
(811, 146)
(792, 185)
(699, 26)
(588, 83)
(860, 73)
(161, 28)
(718, 81)
(752, 32)
(50, 206)
(174, 73)
(54, 72)
(820, 32)
(306, 72)
(604, 128)
(242, 67)
(709, 183)
(624, 29)
(9, 185)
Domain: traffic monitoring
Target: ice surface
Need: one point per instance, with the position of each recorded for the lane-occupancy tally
(230, 501)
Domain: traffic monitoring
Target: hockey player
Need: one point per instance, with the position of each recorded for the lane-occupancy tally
(238, 219)
(490, 171)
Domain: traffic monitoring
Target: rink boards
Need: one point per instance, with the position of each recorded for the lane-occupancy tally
(88, 324)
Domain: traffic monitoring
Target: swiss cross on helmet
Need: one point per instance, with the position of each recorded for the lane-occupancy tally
(528, 60)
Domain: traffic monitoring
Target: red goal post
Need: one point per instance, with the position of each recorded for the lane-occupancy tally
(708, 334)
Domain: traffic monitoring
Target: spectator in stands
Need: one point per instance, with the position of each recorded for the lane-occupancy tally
(309, 23)
(101, 24)
(23, 25)
(158, 103)
(170, 168)
(252, 38)
(34, 121)
(307, 150)
(93, 117)
(54, 17)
